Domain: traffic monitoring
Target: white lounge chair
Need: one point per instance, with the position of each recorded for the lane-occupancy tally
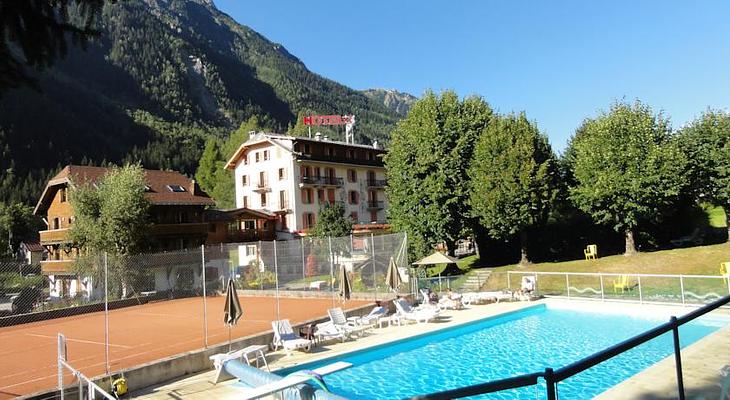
(372, 318)
(484, 297)
(339, 319)
(406, 312)
(329, 331)
(284, 336)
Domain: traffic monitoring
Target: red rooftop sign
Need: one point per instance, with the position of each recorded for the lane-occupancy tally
(328, 120)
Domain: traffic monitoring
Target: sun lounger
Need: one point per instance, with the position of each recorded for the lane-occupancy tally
(329, 331)
(372, 318)
(485, 297)
(406, 312)
(293, 380)
(338, 318)
(285, 337)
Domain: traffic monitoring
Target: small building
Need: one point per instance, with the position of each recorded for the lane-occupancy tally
(32, 253)
(292, 177)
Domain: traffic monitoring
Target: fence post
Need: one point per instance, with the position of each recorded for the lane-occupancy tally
(61, 356)
(332, 270)
(276, 273)
(677, 357)
(304, 265)
(509, 284)
(681, 287)
(602, 298)
(550, 384)
(205, 305)
(106, 312)
(567, 284)
(372, 246)
(641, 294)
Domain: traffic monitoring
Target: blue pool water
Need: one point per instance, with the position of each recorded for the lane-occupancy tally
(521, 342)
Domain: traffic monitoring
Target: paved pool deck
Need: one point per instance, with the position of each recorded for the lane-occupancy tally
(701, 361)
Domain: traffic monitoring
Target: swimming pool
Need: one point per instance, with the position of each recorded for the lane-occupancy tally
(511, 344)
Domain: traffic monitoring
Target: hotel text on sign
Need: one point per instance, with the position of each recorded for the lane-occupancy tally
(328, 120)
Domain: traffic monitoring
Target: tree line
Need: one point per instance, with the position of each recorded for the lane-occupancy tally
(456, 168)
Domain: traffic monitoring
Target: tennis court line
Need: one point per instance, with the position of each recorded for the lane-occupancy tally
(80, 341)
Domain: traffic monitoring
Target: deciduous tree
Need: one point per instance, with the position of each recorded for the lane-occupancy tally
(111, 217)
(627, 168)
(426, 166)
(513, 179)
(706, 142)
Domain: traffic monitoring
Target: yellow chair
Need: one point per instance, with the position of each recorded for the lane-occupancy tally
(725, 271)
(591, 251)
(622, 284)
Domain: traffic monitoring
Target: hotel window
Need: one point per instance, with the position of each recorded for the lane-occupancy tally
(308, 220)
(320, 196)
(282, 174)
(353, 216)
(354, 197)
(245, 201)
(263, 199)
(351, 175)
(248, 225)
(307, 196)
(374, 216)
(257, 156)
(244, 180)
(62, 194)
(282, 200)
(266, 155)
(263, 182)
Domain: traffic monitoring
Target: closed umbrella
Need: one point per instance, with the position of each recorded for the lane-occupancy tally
(345, 287)
(232, 311)
(393, 276)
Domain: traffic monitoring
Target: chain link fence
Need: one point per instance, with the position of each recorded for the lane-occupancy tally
(118, 312)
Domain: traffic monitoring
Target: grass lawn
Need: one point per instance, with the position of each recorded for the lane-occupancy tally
(715, 215)
(701, 260)
(464, 264)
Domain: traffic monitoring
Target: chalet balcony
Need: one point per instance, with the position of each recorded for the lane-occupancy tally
(57, 267)
(193, 229)
(250, 235)
(54, 236)
(377, 183)
(283, 206)
(261, 187)
(375, 205)
(321, 181)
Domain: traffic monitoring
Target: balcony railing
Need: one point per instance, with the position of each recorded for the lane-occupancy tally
(195, 228)
(283, 205)
(321, 180)
(262, 186)
(53, 267)
(379, 183)
(250, 235)
(375, 204)
(54, 236)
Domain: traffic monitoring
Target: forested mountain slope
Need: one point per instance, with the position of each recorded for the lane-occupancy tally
(163, 76)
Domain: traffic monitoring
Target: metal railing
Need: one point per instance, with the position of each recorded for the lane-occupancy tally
(322, 180)
(85, 383)
(632, 287)
(553, 377)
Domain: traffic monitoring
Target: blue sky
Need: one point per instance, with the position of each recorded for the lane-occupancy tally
(559, 61)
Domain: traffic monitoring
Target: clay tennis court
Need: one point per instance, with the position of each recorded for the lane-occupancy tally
(137, 335)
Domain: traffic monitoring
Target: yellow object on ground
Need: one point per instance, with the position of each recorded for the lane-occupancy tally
(591, 252)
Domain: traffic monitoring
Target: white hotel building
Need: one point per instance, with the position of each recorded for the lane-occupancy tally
(292, 177)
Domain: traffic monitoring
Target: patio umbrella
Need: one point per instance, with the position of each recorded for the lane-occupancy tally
(393, 276)
(232, 311)
(345, 287)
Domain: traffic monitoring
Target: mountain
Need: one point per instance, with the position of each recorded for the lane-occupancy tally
(162, 78)
(394, 100)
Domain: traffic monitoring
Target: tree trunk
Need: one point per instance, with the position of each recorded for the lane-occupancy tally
(727, 221)
(524, 260)
(630, 244)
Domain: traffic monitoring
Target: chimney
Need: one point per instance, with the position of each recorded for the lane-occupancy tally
(193, 185)
(375, 144)
(318, 136)
(251, 134)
